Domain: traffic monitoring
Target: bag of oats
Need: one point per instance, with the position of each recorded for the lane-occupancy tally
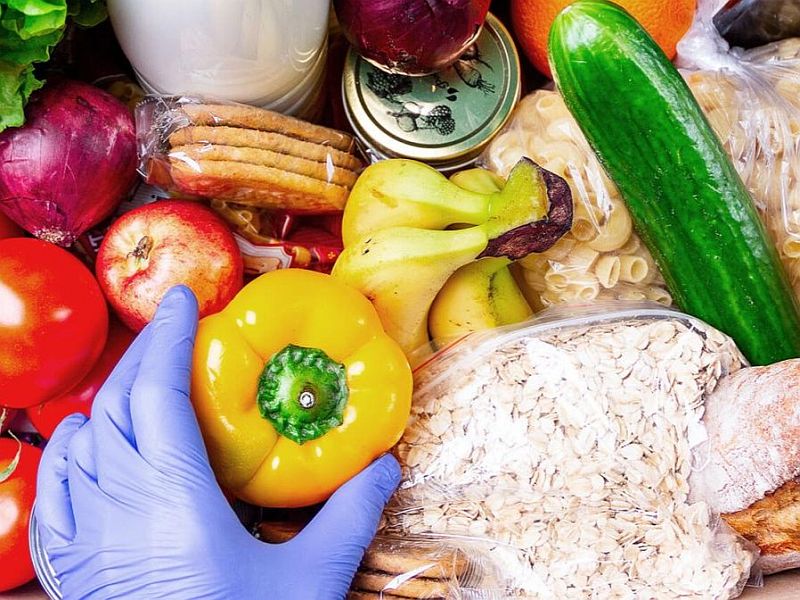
(564, 446)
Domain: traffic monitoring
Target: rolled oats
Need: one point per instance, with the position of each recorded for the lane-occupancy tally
(566, 447)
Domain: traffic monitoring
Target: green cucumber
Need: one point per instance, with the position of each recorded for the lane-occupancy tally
(687, 201)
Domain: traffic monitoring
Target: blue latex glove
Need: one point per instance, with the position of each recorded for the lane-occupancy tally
(128, 506)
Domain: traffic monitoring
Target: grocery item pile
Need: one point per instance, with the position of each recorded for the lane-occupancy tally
(547, 307)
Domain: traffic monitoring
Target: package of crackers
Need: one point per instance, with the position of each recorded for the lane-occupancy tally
(407, 568)
(245, 155)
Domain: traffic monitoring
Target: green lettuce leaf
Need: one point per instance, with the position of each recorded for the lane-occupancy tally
(29, 29)
(16, 85)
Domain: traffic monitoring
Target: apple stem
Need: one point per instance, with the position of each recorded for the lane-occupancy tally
(142, 250)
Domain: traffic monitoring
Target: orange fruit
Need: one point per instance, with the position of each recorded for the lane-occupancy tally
(666, 20)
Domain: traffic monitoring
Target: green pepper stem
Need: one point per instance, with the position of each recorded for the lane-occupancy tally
(302, 392)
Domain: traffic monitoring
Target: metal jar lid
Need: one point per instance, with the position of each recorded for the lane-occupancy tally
(444, 119)
(41, 564)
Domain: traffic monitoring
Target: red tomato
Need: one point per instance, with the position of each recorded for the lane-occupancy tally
(53, 321)
(8, 228)
(47, 416)
(16, 500)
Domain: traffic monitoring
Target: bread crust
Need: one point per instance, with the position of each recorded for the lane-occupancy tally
(773, 524)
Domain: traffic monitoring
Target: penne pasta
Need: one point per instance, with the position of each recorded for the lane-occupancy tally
(544, 153)
(564, 130)
(615, 231)
(536, 262)
(550, 106)
(607, 271)
(560, 250)
(632, 245)
(581, 258)
(582, 291)
(633, 269)
(556, 281)
(658, 294)
(632, 295)
(584, 230)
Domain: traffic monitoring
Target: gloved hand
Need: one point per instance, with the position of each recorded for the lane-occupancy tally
(128, 506)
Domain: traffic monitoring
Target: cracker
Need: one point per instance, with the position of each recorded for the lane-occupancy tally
(250, 117)
(412, 588)
(258, 186)
(387, 557)
(359, 595)
(276, 142)
(323, 171)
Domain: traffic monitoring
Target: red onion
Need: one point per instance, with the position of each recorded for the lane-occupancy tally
(413, 37)
(70, 165)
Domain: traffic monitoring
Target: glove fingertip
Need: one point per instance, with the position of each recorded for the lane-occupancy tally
(386, 474)
(179, 296)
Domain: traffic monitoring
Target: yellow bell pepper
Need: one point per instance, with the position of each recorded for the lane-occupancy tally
(297, 388)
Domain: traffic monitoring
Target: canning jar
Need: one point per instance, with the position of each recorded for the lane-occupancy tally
(445, 119)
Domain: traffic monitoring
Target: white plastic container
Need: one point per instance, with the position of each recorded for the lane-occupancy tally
(268, 53)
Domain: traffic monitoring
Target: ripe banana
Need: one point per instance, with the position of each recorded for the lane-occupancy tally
(480, 295)
(405, 193)
(402, 269)
(407, 229)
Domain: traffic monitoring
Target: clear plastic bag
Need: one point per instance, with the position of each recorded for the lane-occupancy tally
(601, 258)
(752, 100)
(563, 448)
(431, 568)
(244, 155)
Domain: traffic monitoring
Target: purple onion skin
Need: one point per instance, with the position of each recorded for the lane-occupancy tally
(413, 37)
(70, 165)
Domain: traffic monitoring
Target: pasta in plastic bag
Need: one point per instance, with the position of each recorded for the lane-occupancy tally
(601, 258)
(565, 447)
(752, 100)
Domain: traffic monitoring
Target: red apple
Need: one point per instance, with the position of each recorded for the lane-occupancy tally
(160, 245)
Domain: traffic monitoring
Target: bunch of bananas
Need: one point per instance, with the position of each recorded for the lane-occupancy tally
(433, 254)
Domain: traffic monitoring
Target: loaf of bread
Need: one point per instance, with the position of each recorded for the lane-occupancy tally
(773, 524)
(749, 468)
